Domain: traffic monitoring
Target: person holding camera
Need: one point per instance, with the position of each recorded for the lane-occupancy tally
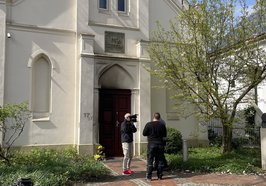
(156, 132)
(127, 130)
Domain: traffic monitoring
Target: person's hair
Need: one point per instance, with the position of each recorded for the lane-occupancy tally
(127, 115)
(157, 116)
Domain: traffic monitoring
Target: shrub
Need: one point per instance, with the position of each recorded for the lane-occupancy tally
(52, 167)
(13, 118)
(214, 138)
(173, 141)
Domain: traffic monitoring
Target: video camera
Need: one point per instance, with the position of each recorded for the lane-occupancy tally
(133, 118)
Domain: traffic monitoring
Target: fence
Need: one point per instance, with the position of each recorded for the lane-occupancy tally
(241, 134)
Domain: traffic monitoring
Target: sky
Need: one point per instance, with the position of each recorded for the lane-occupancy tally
(249, 3)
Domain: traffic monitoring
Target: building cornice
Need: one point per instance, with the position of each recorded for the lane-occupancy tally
(35, 28)
(114, 56)
(91, 23)
(117, 56)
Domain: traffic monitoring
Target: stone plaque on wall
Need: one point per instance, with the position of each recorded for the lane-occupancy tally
(114, 42)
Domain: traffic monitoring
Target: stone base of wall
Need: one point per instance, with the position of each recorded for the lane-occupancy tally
(82, 149)
(55, 147)
(89, 149)
(197, 143)
(140, 148)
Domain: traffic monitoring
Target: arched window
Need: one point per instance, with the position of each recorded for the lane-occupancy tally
(41, 88)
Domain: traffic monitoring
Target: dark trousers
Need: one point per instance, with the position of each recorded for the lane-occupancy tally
(165, 164)
(155, 151)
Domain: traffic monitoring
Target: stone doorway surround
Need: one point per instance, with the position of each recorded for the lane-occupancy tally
(114, 72)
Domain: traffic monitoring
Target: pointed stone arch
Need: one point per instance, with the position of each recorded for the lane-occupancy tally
(38, 54)
(116, 77)
(40, 84)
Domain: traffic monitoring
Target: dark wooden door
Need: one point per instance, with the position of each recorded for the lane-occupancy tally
(114, 104)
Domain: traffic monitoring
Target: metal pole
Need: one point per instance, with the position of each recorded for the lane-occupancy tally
(185, 150)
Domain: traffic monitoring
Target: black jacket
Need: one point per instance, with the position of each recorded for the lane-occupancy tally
(155, 131)
(127, 130)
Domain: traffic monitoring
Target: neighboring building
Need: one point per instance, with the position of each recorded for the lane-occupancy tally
(80, 65)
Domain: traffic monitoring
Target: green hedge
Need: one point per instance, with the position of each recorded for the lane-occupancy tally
(173, 141)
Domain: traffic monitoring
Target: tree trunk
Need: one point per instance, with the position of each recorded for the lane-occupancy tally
(227, 139)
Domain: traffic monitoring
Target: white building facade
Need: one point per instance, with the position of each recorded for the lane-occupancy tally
(81, 65)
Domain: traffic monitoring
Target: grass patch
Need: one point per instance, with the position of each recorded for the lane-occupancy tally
(51, 167)
(241, 161)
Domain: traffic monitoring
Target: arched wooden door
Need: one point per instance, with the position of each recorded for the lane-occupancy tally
(114, 104)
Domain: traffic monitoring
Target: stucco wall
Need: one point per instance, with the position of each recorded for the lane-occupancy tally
(61, 50)
(38, 27)
(59, 14)
(2, 51)
(135, 25)
(261, 96)
(2, 48)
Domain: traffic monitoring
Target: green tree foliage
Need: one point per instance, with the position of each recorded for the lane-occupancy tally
(173, 141)
(12, 121)
(212, 58)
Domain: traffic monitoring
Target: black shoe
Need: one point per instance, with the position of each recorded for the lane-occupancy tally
(160, 177)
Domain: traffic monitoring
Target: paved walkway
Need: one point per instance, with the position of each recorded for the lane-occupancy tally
(171, 178)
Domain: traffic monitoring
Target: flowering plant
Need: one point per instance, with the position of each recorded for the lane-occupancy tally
(100, 155)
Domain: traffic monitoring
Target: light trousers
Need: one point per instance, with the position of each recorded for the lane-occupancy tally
(128, 154)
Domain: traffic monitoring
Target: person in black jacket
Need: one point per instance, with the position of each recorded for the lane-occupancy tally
(127, 130)
(165, 164)
(156, 132)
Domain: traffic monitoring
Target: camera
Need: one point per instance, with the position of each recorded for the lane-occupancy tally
(133, 118)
